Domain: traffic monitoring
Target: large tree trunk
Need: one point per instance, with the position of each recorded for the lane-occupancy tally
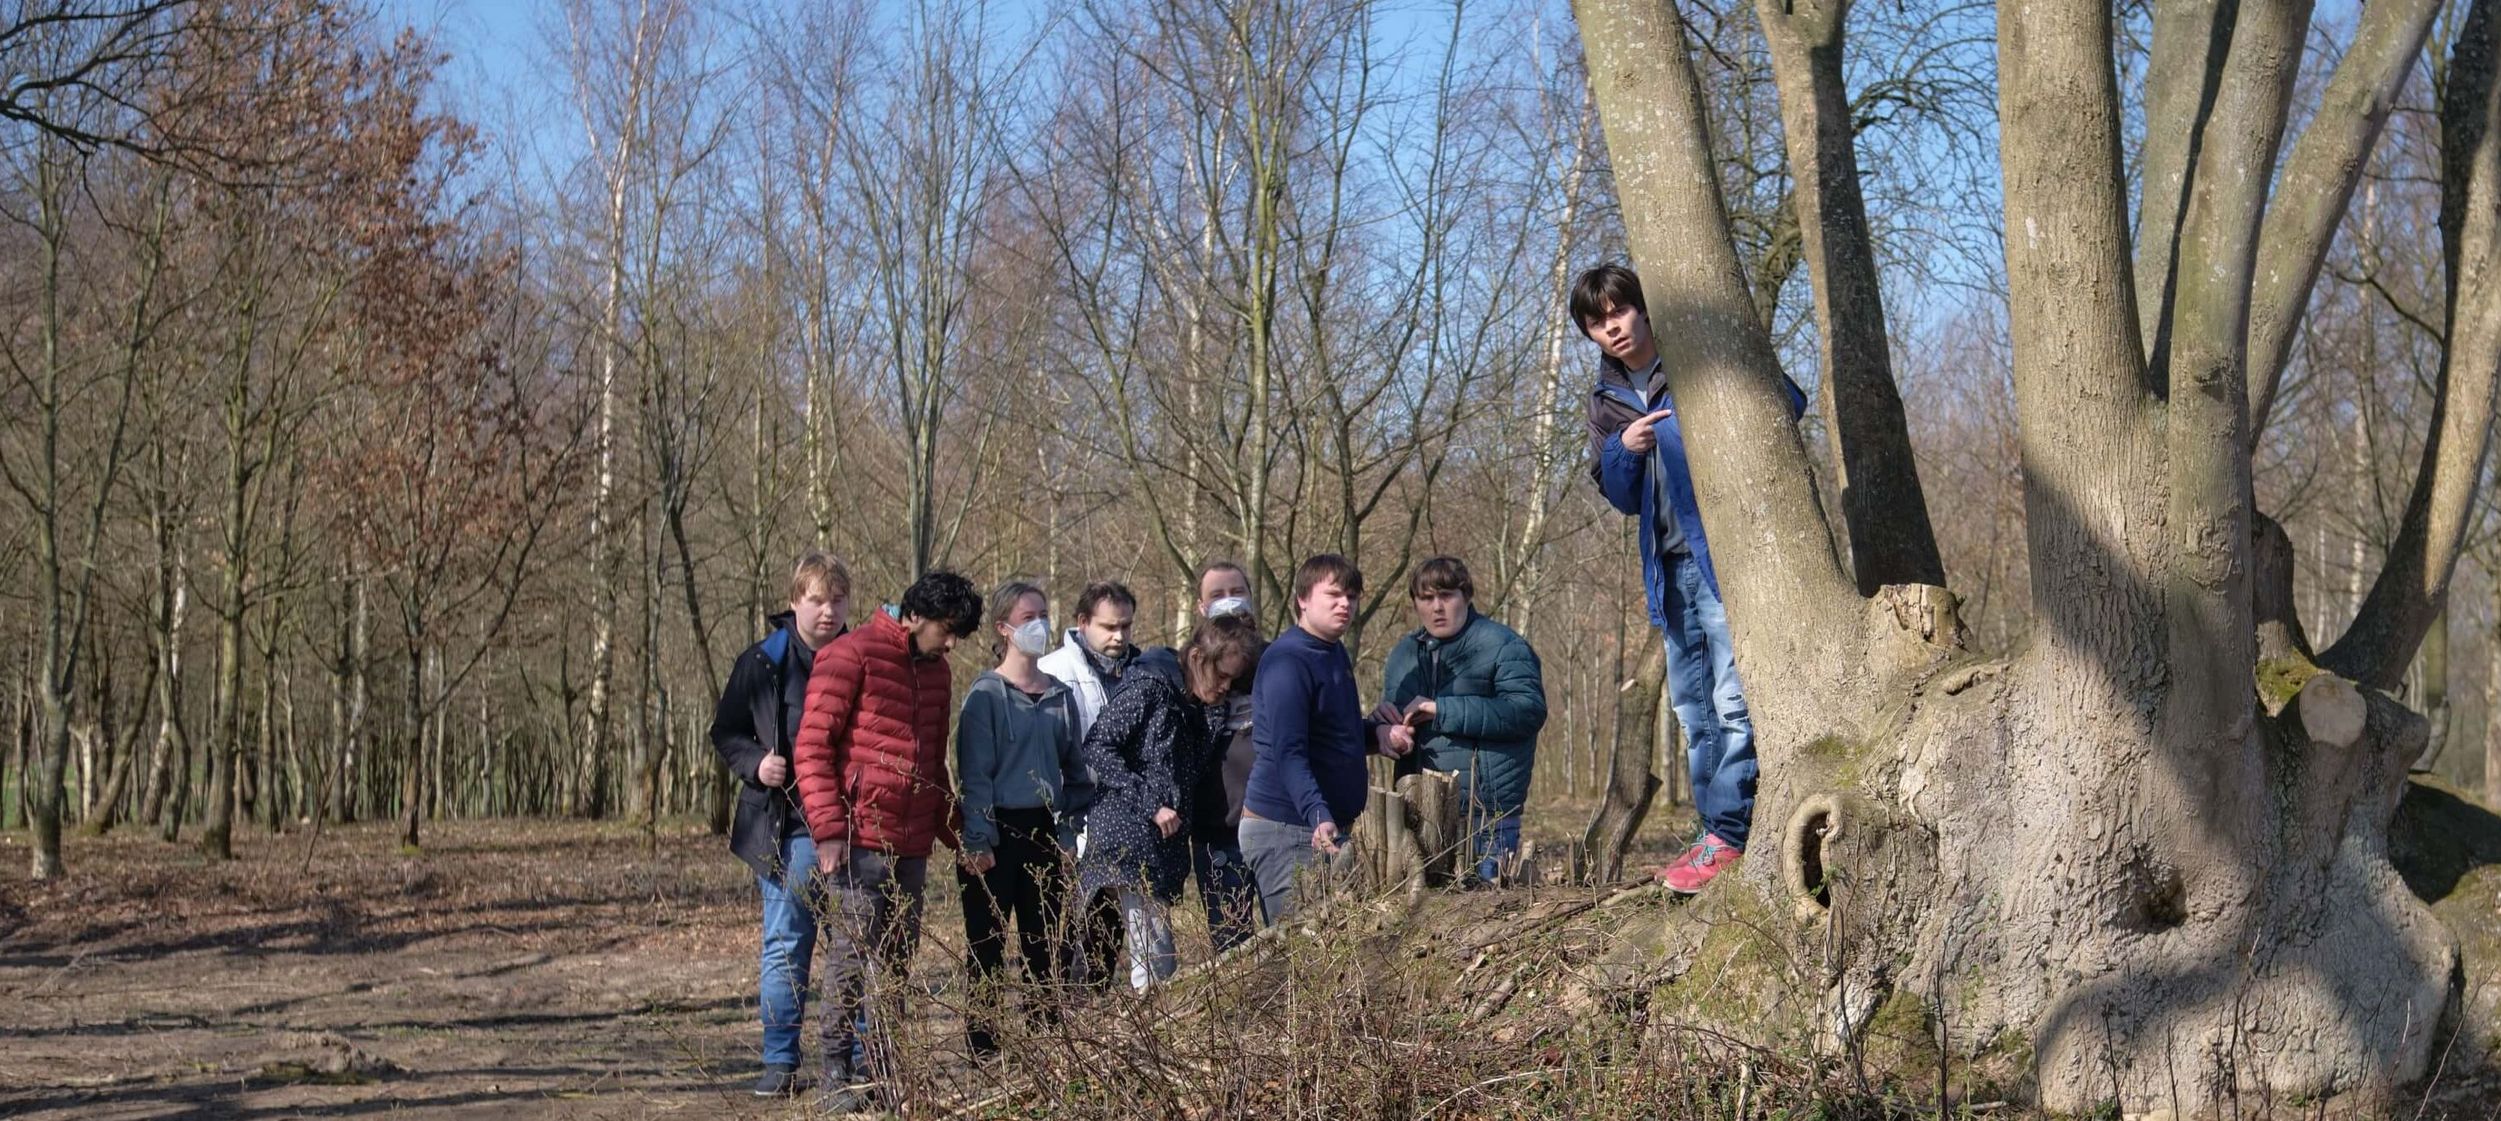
(413, 725)
(225, 749)
(44, 787)
(2144, 856)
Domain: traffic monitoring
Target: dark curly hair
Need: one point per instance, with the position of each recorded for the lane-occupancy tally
(947, 598)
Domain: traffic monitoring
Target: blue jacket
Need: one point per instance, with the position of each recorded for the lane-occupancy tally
(1625, 481)
(1308, 725)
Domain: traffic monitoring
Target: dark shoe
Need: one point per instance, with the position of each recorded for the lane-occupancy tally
(779, 1080)
(840, 1091)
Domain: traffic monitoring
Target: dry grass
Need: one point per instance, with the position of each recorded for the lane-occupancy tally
(553, 969)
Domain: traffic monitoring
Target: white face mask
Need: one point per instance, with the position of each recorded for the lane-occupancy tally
(1229, 605)
(1033, 637)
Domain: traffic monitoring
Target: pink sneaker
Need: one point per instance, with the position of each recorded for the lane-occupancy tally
(1707, 858)
(1684, 858)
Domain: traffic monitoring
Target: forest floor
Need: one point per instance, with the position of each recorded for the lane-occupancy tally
(549, 969)
(513, 969)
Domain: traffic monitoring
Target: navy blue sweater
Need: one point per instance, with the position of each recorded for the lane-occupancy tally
(1308, 726)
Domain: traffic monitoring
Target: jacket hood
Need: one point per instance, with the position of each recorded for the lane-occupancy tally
(1162, 663)
(1051, 686)
(886, 630)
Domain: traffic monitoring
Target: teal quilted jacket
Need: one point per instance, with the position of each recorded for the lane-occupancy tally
(1490, 694)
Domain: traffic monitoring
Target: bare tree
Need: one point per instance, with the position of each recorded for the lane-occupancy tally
(2228, 841)
(64, 493)
(620, 57)
(922, 167)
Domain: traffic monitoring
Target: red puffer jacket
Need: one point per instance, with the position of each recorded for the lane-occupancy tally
(872, 749)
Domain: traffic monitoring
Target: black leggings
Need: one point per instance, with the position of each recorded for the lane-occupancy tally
(1028, 883)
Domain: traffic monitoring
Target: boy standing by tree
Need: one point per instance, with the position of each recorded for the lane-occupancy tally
(1638, 460)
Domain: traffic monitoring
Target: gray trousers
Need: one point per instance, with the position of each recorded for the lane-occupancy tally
(872, 925)
(1290, 872)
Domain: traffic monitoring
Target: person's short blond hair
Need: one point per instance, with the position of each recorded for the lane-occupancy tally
(815, 569)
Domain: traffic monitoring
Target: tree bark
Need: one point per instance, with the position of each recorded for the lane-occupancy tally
(2179, 81)
(2492, 703)
(1631, 784)
(2430, 692)
(1882, 505)
(412, 774)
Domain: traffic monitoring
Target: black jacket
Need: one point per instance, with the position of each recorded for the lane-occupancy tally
(758, 716)
(1146, 751)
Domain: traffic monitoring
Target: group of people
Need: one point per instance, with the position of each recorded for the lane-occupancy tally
(1084, 782)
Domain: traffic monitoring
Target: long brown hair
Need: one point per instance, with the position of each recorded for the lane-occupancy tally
(1226, 636)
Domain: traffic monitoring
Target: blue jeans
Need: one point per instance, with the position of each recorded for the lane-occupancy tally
(1231, 893)
(790, 907)
(1702, 686)
(1491, 841)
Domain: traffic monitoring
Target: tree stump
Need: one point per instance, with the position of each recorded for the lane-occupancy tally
(1631, 784)
(1435, 814)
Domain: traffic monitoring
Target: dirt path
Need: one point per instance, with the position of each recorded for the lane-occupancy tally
(515, 969)
(539, 969)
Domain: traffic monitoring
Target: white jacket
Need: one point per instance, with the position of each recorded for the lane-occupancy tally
(1073, 669)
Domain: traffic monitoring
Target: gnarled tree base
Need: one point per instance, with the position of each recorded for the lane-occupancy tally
(2001, 864)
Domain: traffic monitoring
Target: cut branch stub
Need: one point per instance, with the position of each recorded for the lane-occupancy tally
(2333, 710)
(1434, 810)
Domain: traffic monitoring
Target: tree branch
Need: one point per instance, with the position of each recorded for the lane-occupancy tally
(1891, 541)
(2206, 590)
(2190, 37)
(2318, 183)
(2413, 585)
